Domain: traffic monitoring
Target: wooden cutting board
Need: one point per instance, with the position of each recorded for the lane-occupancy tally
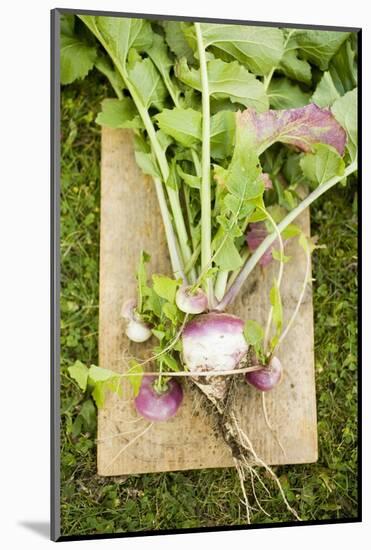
(130, 222)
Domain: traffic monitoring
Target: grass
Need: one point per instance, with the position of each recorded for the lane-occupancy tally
(91, 504)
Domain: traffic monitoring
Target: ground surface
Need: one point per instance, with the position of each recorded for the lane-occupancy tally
(91, 504)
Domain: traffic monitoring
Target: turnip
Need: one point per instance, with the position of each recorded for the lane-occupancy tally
(158, 402)
(267, 377)
(212, 180)
(136, 329)
(191, 301)
(213, 342)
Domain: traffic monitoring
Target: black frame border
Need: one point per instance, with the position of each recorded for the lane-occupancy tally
(55, 525)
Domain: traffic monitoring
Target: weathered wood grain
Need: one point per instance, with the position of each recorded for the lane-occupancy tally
(130, 222)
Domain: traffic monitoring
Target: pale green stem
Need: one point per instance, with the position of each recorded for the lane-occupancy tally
(279, 278)
(254, 259)
(193, 260)
(173, 246)
(158, 151)
(176, 264)
(221, 284)
(196, 162)
(299, 302)
(206, 254)
(268, 78)
(192, 229)
(197, 165)
(164, 168)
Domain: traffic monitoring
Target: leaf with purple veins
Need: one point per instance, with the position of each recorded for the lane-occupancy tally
(302, 127)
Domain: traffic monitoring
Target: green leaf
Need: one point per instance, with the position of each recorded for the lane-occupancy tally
(227, 81)
(98, 374)
(343, 68)
(277, 315)
(259, 48)
(280, 257)
(148, 83)
(147, 164)
(222, 134)
(326, 93)
(77, 58)
(303, 241)
(173, 178)
(227, 257)
(153, 303)
(99, 394)
(142, 279)
(189, 179)
(105, 67)
(89, 414)
(103, 380)
(184, 125)
(79, 372)
(159, 54)
(243, 178)
(239, 209)
(119, 113)
(176, 40)
(254, 333)
(323, 164)
(284, 94)
(294, 67)
(171, 311)
(67, 24)
(291, 231)
(345, 112)
(165, 287)
(317, 47)
(170, 362)
(159, 334)
(135, 376)
(119, 34)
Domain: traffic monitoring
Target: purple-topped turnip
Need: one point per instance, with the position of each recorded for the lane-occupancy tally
(158, 404)
(267, 377)
(192, 302)
(214, 341)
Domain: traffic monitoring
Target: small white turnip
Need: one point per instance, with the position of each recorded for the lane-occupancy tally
(136, 330)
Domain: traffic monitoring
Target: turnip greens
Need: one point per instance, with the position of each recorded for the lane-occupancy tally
(241, 128)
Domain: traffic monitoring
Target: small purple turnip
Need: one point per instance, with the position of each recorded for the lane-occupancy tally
(158, 405)
(267, 377)
(191, 302)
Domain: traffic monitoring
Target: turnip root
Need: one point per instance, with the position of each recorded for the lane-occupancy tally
(191, 302)
(213, 342)
(136, 330)
(158, 404)
(267, 377)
